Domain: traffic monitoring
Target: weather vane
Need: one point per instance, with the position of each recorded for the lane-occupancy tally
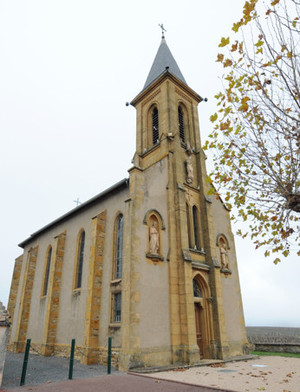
(162, 30)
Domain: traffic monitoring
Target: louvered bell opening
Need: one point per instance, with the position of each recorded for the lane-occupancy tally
(181, 124)
(155, 132)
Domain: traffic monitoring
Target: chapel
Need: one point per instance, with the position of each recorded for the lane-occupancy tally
(150, 261)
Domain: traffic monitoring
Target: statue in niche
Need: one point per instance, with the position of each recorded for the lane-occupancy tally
(224, 255)
(189, 170)
(154, 238)
(189, 164)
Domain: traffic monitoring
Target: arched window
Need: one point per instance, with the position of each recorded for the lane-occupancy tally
(116, 307)
(47, 270)
(197, 289)
(79, 261)
(196, 228)
(188, 225)
(155, 129)
(116, 285)
(119, 247)
(181, 124)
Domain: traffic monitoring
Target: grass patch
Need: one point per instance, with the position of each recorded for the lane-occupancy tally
(269, 353)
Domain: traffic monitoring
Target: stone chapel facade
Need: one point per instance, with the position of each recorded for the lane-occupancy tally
(150, 261)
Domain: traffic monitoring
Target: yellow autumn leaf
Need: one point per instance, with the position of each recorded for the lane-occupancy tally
(210, 191)
(224, 125)
(245, 99)
(249, 7)
(244, 107)
(234, 47)
(259, 43)
(220, 57)
(224, 42)
(227, 63)
(236, 26)
(213, 117)
(267, 64)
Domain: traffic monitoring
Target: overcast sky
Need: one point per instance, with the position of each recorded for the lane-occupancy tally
(67, 68)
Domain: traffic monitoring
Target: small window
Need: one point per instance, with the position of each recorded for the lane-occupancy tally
(196, 228)
(181, 124)
(116, 307)
(47, 271)
(119, 247)
(80, 254)
(197, 289)
(155, 130)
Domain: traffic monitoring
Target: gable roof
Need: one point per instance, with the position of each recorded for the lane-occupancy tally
(163, 61)
(106, 193)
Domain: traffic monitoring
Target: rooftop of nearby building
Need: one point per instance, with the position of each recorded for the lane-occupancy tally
(4, 316)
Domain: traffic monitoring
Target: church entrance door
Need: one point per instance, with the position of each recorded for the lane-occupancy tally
(199, 327)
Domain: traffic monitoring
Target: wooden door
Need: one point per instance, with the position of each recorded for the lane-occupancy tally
(198, 314)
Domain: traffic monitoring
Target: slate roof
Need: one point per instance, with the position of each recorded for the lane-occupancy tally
(163, 59)
(106, 193)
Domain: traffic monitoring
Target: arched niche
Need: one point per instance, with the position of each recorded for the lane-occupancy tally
(157, 214)
(154, 222)
(223, 246)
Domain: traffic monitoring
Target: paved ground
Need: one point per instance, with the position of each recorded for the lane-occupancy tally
(41, 370)
(265, 373)
(269, 374)
(49, 374)
(114, 383)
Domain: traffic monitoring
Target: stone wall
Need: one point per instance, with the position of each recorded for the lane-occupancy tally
(276, 339)
(99, 355)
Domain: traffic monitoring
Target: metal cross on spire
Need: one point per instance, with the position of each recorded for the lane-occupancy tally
(162, 30)
(77, 202)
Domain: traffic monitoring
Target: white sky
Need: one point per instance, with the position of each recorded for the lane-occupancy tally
(67, 68)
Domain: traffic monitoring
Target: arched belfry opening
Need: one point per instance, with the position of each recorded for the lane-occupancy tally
(154, 125)
(181, 124)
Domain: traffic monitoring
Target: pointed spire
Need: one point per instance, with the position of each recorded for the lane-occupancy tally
(163, 61)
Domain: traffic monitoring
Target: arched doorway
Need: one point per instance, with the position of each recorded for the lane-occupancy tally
(202, 317)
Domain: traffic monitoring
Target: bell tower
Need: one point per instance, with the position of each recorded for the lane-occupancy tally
(173, 258)
(166, 107)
